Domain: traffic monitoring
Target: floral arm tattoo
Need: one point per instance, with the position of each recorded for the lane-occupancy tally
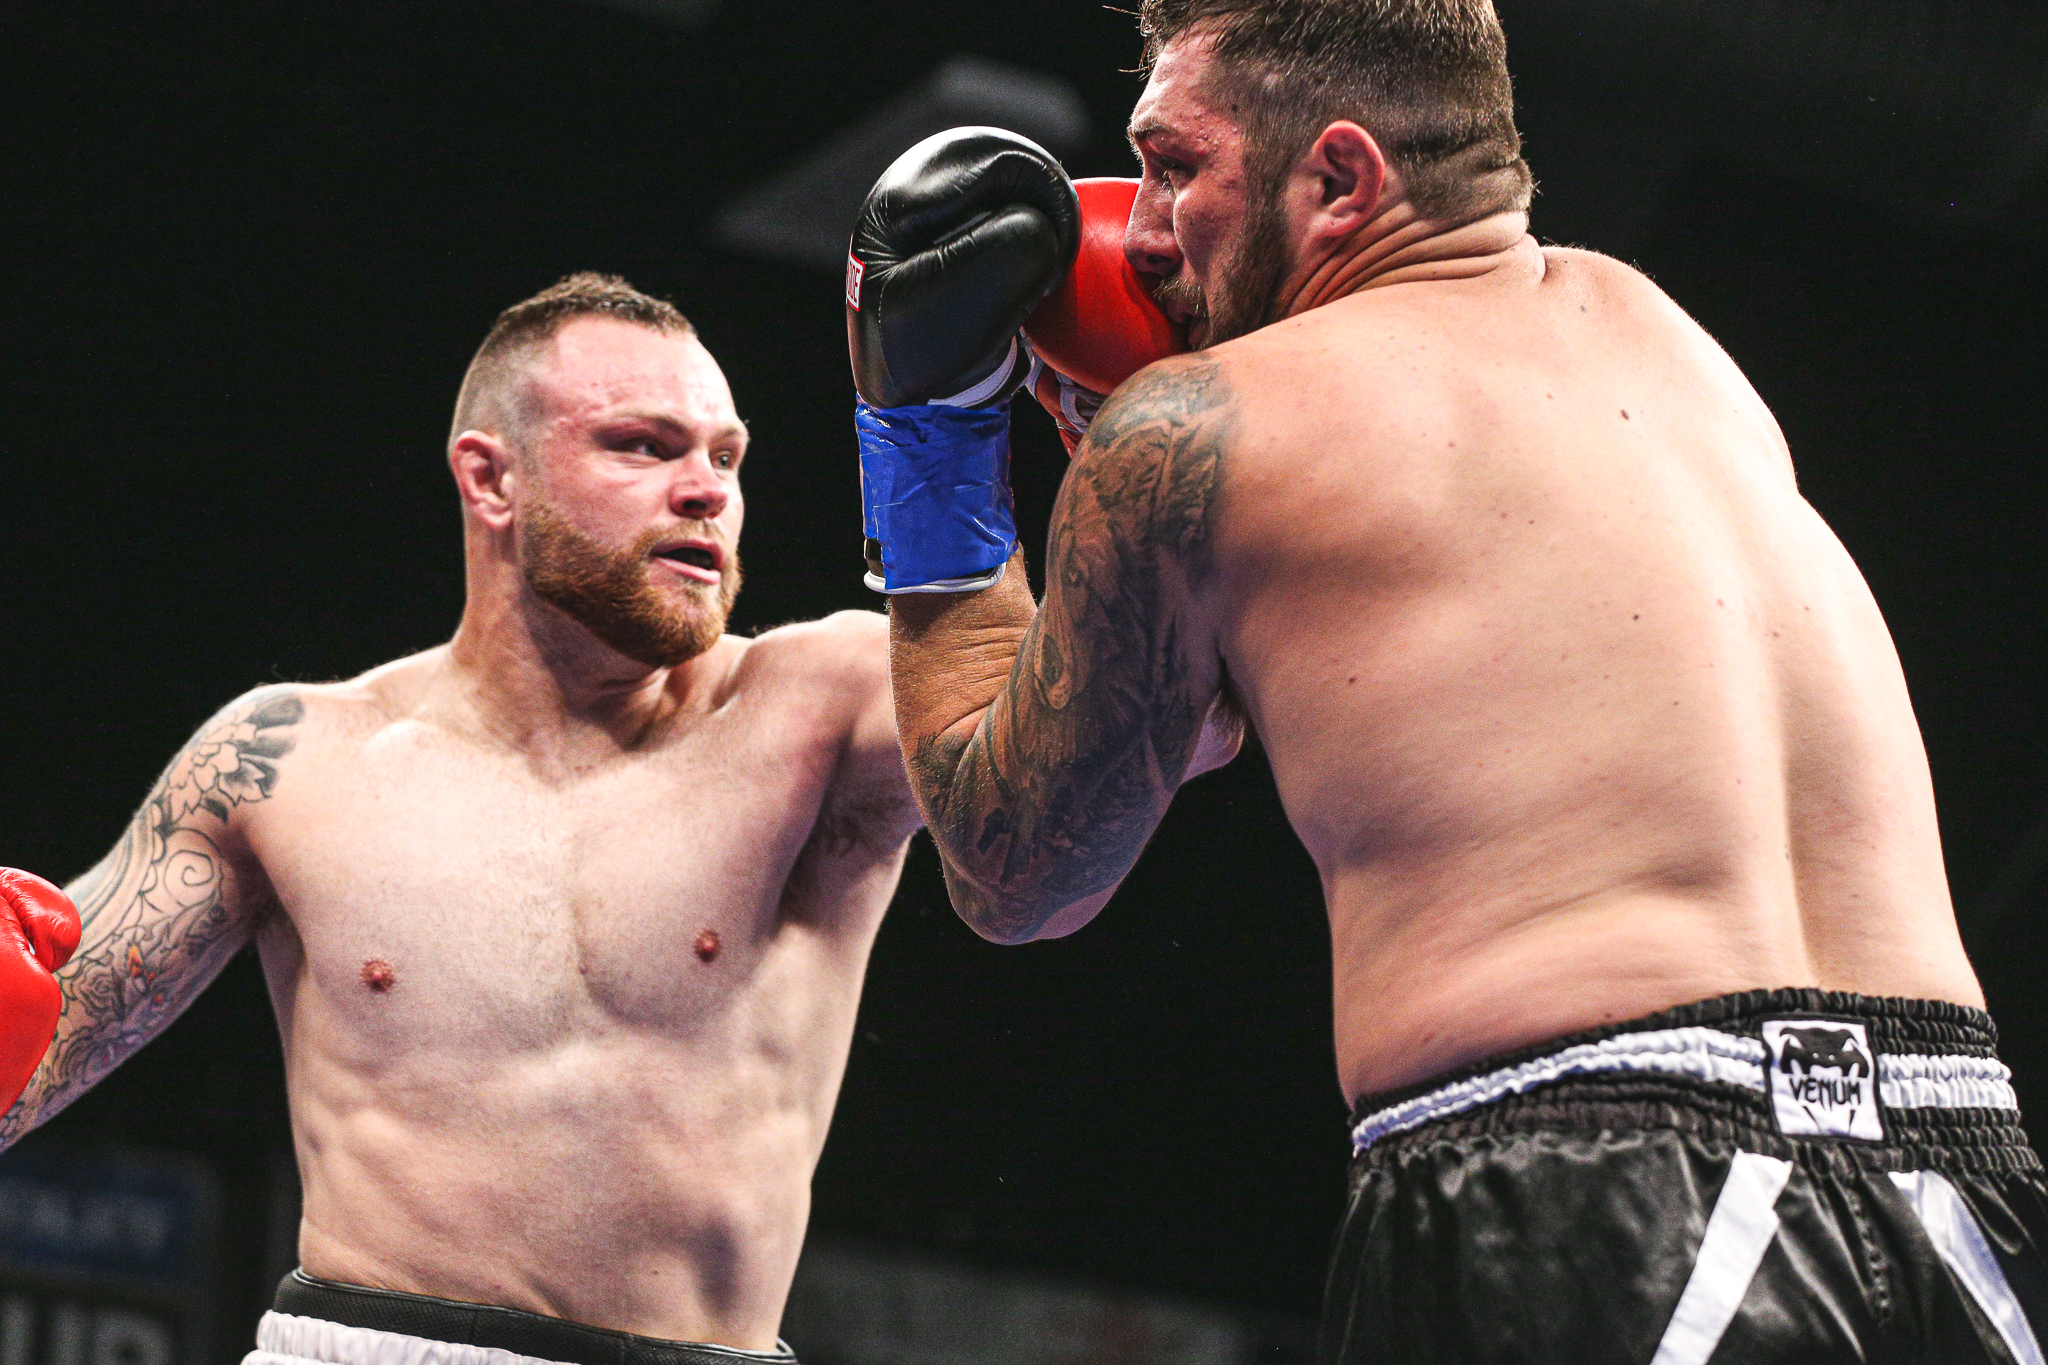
(1054, 793)
(164, 911)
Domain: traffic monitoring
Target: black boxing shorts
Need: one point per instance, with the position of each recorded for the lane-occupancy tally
(1778, 1176)
(323, 1322)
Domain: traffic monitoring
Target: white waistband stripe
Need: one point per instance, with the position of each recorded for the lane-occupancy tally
(1909, 1081)
(1701, 1053)
(1905, 1080)
(286, 1339)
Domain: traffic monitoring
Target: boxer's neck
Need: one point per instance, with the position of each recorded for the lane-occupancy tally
(1400, 246)
(539, 680)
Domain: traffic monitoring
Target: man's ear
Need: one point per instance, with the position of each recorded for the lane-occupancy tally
(1350, 172)
(484, 471)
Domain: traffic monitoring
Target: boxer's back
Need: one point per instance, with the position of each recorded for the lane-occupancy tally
(1581, 709)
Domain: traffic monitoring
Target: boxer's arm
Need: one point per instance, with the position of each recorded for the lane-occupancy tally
(1045, 743)
(167, 908)
(870, 791)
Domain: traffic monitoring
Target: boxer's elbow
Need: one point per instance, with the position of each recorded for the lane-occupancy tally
(1005, 932)
(1011, 879)
(981, 906)
(1006, 912)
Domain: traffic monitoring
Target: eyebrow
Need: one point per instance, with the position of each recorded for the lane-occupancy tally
(658, 418)
(734, 428)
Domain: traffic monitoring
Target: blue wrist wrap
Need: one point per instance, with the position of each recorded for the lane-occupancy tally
(935, 496)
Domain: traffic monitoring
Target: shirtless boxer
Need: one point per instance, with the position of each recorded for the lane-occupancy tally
(1649, 996)
(565, 921)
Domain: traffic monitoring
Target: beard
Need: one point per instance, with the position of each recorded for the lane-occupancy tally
(1247, 280)
(612, 593)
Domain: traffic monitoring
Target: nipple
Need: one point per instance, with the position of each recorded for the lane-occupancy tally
(708, 945)
(378, 976)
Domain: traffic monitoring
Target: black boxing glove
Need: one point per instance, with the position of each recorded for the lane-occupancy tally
(953, 249)
(956, 244)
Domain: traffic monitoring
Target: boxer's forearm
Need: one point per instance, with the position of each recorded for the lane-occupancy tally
(1045, 746)
(950, 659)
(950, 654)
(1039, 789)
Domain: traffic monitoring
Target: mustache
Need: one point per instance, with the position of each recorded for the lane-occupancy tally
(1182, 293)
(689, 527)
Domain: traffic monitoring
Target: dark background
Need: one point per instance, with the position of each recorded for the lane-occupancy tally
(254, 245)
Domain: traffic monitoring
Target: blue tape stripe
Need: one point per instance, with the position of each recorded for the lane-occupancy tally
(935, 491)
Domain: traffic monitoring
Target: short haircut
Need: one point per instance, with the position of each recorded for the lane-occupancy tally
(1427, 78)
(533, 322)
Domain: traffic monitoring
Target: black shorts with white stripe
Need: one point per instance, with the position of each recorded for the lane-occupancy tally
(1760, 1179)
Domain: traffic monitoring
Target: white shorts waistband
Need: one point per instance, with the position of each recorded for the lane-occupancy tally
(286, 1339)
(1904, 1080)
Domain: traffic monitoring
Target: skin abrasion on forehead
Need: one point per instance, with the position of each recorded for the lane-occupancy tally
(1228, 222)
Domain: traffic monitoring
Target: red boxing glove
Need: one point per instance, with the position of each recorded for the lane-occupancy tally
(38, 933)
(1072, 407)
(1100, 326)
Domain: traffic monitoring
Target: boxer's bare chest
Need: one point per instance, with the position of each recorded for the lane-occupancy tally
(429, 878)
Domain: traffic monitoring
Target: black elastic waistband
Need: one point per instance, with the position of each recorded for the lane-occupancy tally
(505, 1329)
(1936, 1064)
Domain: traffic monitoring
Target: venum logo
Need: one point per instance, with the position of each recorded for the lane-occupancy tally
(1804, 1049)
(1823, 1078)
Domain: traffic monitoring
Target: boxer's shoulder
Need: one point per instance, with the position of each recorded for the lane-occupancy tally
(1146, 477)
(1594, 264)
(1180, 406)
(844, 654)
(1624, 302)
(830, 671)
(353, 709)
(230, 767)
(279, 729)
(828, 679)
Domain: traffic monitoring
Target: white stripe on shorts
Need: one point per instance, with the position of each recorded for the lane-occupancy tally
(287, 1339)
(1905, 1080)
(1955, 1234)
(1739, 1231)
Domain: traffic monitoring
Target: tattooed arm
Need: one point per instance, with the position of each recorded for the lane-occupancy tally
(168, 907)
(1045, 745)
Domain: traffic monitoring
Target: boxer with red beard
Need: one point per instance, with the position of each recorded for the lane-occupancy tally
(565, 920)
